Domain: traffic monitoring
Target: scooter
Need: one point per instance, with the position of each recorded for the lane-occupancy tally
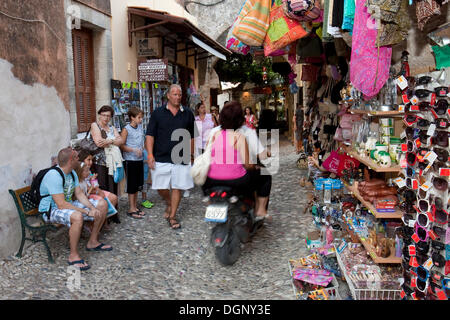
(235, 222)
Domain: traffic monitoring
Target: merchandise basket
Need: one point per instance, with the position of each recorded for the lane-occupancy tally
(367, 294)
(332, 292)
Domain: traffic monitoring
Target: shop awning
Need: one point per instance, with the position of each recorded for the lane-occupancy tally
(175, 30)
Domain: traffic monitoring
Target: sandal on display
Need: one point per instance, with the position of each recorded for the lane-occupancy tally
(173, 223)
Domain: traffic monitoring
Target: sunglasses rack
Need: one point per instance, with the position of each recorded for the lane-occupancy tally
(425, 194)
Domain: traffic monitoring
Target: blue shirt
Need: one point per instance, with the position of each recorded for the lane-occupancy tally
(52, 183)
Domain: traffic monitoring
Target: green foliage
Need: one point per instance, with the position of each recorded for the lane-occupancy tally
(240, 68)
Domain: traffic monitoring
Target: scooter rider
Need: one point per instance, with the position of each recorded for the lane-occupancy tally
(261, 184)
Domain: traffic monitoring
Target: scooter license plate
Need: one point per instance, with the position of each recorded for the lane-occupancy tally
(216, 213)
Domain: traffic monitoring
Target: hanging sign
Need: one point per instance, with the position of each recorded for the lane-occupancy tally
(153, 70)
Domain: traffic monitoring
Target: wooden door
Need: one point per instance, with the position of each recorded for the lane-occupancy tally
(83, 60)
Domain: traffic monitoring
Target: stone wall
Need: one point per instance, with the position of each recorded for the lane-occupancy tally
(103, 6)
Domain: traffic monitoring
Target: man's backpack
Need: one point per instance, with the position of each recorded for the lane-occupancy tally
(36, 184)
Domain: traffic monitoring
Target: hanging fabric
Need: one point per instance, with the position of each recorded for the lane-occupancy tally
(282, 30)
(349, 16)
(253, 22)
(369, 64)
(425, 10)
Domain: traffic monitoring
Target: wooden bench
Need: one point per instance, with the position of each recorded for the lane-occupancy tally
(27, 208)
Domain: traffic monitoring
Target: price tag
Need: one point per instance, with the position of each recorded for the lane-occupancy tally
(402, 294)
(428, 264)
(400, 182)
(426, 186)
(404, 147)
(403, 164)
(441, 294)
(413, 283)
(444, 172)
(134, 85)
(414, 107)
(401, 82)
(414, 100)
(415, 238)
(411, 224)
(144, 85)
(412, 250)
(401, 108)
(405, 98)
(430, 156)
(433, 99)
(431, 130)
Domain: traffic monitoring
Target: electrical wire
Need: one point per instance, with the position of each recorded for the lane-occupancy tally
(202, 4)
(34, 20)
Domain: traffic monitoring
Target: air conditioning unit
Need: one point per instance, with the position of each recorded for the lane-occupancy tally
(149, 47)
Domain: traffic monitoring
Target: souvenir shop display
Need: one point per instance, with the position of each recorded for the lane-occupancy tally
(375, 141)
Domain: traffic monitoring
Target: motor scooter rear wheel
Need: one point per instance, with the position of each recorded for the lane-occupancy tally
(230, 251)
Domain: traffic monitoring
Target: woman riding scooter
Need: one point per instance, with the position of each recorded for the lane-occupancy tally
(230, 156)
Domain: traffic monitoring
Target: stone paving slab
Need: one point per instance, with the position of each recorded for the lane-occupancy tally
(151, 261)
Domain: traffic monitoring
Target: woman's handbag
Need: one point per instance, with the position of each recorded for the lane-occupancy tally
(87, 143)
(302, 162)
(200, 168)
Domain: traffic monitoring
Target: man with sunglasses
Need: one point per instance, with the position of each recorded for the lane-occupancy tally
(57, 206)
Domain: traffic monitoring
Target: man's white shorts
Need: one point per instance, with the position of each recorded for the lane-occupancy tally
(172, 176)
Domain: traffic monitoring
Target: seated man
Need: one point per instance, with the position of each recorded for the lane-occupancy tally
(58, 206)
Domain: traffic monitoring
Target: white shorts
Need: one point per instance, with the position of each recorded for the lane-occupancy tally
(171, 176)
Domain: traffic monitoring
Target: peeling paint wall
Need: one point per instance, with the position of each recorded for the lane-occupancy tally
(34, 126)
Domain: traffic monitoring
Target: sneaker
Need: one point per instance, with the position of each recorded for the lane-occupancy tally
(147, 204)
(186, 194)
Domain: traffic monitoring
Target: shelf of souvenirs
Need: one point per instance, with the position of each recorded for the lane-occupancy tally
(391, 259)
(377, 113)
(397, 214)
(369, 162)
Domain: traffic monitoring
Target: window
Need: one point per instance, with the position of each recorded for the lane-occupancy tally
(83, 62)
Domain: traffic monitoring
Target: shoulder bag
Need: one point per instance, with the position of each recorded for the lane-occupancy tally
(200, 168)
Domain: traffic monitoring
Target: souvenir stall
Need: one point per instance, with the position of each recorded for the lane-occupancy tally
(375, 105)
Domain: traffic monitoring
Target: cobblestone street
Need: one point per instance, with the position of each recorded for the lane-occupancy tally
(151, 261)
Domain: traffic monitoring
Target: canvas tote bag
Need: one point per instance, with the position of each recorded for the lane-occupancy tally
(253, 22)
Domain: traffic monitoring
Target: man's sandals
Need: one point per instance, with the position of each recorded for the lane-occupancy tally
(173, 223)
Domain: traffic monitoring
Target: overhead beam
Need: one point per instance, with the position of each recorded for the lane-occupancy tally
(149, 26)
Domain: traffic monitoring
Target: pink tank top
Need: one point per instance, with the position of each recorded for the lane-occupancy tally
(226, 162)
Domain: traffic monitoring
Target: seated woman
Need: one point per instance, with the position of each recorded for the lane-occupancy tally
(230, 155)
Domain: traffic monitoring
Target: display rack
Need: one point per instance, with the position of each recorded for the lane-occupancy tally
(366, 294)
(379, 215)
(378, 113)
(369, 162)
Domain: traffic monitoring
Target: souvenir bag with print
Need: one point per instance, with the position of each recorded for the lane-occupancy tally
(253, 22)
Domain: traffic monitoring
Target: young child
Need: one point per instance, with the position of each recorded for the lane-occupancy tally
(86, 160)
(147, 183)
(133, 135)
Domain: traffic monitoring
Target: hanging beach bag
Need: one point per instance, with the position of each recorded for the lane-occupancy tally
(331, 163)
(345, 163)
(369, 65)
(253, 22)
(233, 43)
(282, 30)
(200, 168)
(302, 10)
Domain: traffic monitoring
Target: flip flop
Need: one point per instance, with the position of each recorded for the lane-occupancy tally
(131, 214)
(175, 225)
(99, 248)
(140, 212)
(73, 263)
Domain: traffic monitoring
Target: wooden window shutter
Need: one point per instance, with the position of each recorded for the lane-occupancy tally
(83, 61)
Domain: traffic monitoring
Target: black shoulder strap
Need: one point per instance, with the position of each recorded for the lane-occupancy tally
(62, 174)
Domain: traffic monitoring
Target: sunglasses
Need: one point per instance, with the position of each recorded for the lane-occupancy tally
(424, 106)
(422, 165)
(441, 123)
(440, 216)
(407, 207)
(424, 137)
(423, 123)
(411, 158)
(411, 183)
(421, 285)
(411, 133)
(422, 93)
(441, 107)
(442, 154)
(438, 259)
(421, 233)
(410, 119)
(441, 91)
(437, 245)
(439, 183)
(410, 146)
(440, 232)
(423, 219)
(438, 203)
(410, 172)
(422, 247)
(422, 273)
(438, 165)
(440, 138)
(424, 80)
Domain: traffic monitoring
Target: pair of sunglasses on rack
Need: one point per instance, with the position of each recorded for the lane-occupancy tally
(440, 215)
(440, 138)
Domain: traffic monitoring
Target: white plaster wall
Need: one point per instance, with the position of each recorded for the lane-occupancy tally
(34, 126)
(123, 55)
